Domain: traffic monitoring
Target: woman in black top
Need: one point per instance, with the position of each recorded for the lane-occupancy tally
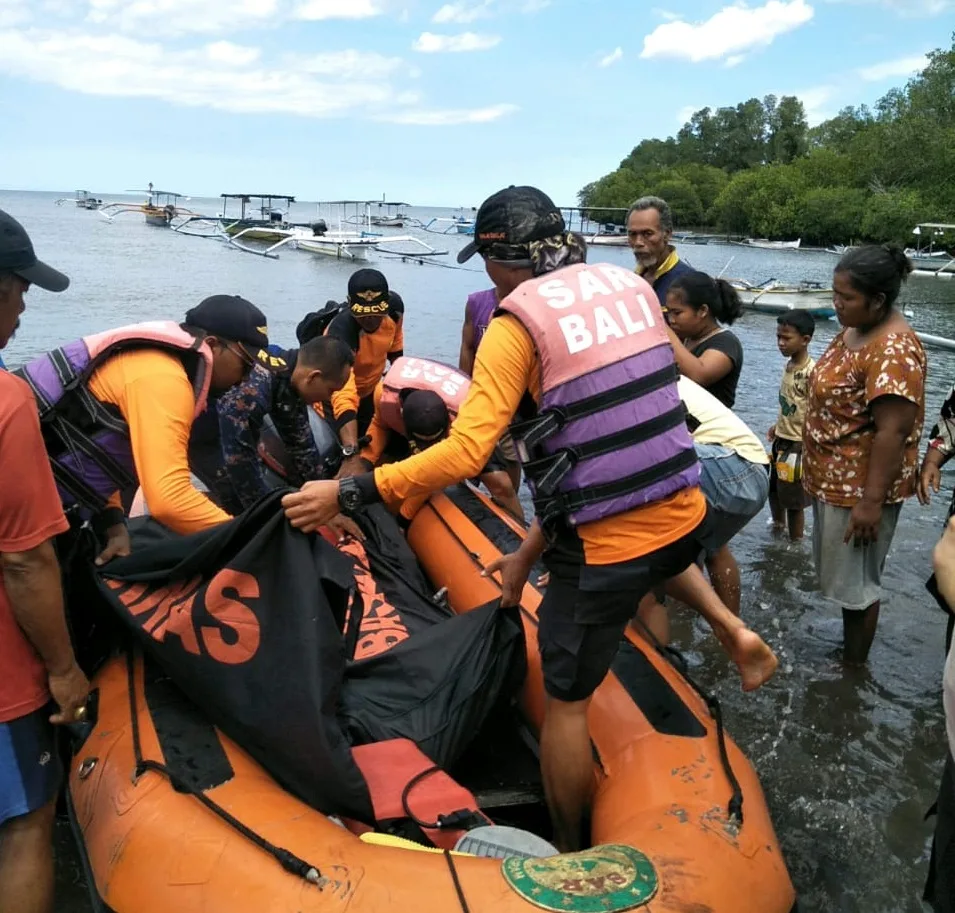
(697, 306)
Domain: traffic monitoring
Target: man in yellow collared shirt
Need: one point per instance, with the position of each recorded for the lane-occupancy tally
(650, 230)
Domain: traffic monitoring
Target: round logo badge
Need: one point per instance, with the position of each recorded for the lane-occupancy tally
(604, 879)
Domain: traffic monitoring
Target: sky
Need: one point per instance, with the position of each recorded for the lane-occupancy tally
(430, 103)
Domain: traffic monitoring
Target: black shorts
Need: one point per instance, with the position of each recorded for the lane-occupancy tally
(940, 887)
(584, 614)
(789, 492)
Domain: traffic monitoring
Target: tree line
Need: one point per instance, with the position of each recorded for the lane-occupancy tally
(759, 170)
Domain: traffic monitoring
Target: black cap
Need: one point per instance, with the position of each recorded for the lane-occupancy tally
(368, 293)
(516, 215)
(424, 412)
(234, 319)
(17, 256)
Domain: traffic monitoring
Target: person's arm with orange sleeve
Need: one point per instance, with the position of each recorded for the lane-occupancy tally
(158, 406)
(502, 373)
(345, 405)
(398, 343)
(378, 436)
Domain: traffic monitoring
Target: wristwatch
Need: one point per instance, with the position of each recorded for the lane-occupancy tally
(349, 450)
(349, 495)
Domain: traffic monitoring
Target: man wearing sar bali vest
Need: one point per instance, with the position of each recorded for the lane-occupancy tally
(582, 352)
(415, 404)
(117, 409)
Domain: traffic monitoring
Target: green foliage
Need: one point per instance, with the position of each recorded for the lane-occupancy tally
(891, 216)
(757, 169)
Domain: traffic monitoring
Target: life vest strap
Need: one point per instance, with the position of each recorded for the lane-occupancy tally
(551, 508)
(547, 473)
(531, 434)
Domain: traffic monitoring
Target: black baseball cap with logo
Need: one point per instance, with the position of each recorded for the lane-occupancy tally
(515, 215)
(18, 257)
(368, 293)
(235, 319)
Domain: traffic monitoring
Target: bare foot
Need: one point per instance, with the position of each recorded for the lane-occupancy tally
(756, 661)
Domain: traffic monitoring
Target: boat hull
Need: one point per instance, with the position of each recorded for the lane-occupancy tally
(339, 250)
(775, 301)
(608, 241)
(660, 787)
(158, 219)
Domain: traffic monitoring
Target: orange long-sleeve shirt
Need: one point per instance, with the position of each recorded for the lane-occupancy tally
(155, 397)
(505, 367)
(371, 358)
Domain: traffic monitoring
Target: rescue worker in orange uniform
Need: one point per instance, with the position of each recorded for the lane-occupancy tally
(117, 410)
(581, 353)
(415, 404)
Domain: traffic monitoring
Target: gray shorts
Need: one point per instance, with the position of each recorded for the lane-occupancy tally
(735, 489)
(848, 574)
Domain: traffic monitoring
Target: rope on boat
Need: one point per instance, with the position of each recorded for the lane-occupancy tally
(676, 659)
(457, 882)
(288, 860)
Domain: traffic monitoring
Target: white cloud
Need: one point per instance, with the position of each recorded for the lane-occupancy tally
(430, 43)
(817, 101)
(611, 58)
(233, 55)
(13, 12)
(735, 60)
(337, 9)
(901, 66)
(175, 16)
(349, 64)
(223, 76)
(910, 9)
(729, 33)
(686, 112)
(450, 117)
(172, 17)
(664, 14)
(463, 12)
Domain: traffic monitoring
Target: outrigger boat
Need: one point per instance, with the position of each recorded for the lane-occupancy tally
(938, 264)
(161, 207)
(393, 216)
(764, 244)
(608, 232)
(271, 220)
(83, 200)
(773, 297)
(340, 244)
(460, 225)
(266, 220)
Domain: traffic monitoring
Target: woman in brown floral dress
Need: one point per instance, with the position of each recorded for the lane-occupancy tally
(861, 437)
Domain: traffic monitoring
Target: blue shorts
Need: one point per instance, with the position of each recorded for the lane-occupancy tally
(735, 490)
(30, 769)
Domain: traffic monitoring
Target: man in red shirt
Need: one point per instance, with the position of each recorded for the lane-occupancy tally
(40, 682)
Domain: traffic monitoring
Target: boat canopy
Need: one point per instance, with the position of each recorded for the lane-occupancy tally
(248, 197)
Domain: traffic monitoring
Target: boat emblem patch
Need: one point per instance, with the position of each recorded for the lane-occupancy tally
(604, 879)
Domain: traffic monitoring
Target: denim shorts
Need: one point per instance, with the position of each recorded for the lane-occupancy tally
(736, 490)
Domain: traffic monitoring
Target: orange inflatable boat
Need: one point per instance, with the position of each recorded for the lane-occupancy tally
(679, 822)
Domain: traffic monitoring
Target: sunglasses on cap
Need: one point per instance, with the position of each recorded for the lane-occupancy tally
(513, 254)
(419, 442)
